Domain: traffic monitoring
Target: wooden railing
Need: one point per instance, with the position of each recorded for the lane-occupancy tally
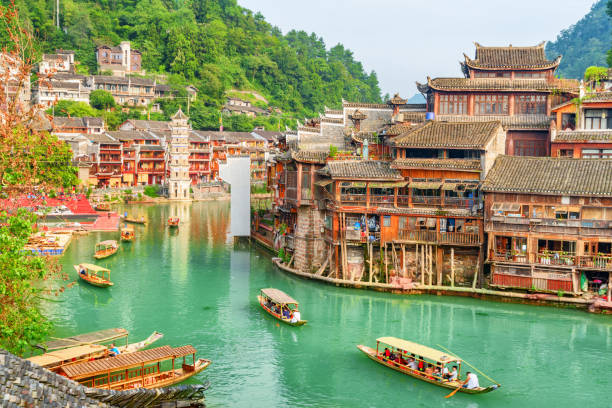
(434, 201)
(381, 199)
(556, 258)
(596, 261)
(353, 199)
(456, 238)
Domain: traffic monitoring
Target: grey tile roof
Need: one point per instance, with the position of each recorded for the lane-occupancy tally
(360, 169)
(511, 57)
(603, 135)
(131, 135)
(502, 84)
(509, 122)
(310, 156)
(140, 124)
(24, 384)
(550, 176)
(439, 164)
(457, 135)
(62, 122)
(107, 79)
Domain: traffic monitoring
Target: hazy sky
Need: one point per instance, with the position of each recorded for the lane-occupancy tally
(406, 40)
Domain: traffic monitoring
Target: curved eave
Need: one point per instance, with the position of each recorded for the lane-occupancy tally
(423, 88)
(472, 64)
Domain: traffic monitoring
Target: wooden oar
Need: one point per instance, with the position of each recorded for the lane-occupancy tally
(480, 372)
(454, 392)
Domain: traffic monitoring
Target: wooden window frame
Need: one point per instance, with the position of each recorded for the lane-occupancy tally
(491, 104)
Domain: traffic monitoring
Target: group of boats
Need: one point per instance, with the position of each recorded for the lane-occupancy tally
(400, 355)
(89, 360)
(98, 276)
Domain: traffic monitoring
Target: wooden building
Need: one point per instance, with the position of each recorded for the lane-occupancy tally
(514, 85)
(549, 223)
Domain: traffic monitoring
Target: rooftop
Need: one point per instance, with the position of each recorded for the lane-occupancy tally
(603, 135)
(451, 135)
(527, 58)
(437, 164)
(509, 122)
(360, 169)
(550, 176)
(62, 122)
(310, 156)
(139, 124)
(131, 135)
(499, 84)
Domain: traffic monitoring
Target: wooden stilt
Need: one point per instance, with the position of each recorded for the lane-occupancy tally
(423, 265)
(439, 264)
(371, 246)
(404, 270)
(430, 264)
(452, 267)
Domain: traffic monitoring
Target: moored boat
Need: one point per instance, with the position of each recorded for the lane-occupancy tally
(173, 222)
(127, 234)
(56, 359)
(105, 249)
(141, 369)
(94, 275)
(281, 306)
(102, 207)
(401, 354)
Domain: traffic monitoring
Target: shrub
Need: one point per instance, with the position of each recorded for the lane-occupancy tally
(52, 194)
(101, 99)
(151, 191)
(88, 192)
(333, 151)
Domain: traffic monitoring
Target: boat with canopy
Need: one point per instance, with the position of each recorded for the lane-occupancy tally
(97, 337)
(94, 275)
(151, 368)
(127, 234)
(173, 222)
(105, 249)
(103, 207)
(402, 351)
(56, 359)
(281, 306)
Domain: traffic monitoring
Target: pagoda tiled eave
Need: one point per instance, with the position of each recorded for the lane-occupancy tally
(499, 85)
(437, 164)
(511, 58)
(514, 122)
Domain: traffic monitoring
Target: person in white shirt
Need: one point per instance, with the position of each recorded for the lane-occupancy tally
(471, 381)
(295, 317)
(445, 373)
(453, 374)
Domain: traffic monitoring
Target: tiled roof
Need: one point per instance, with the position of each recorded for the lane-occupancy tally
(102, 138)
(500, 84)
(325, 119)
(598, 97)
(424, 211)
(511, 58)
(269, 135)
(62, 122)
(550, 176)
(25, 384)
(140, 124)
(452, 164)
(151, 148)
(55, 85)
(458, 135)
(604, 135)
(310, 156)
(107, 79)
(334, 111)
(398, 129)
(198, 136)
(309, 129)
(131, 135)
(360, 169)
(397, 100)
(509, 122)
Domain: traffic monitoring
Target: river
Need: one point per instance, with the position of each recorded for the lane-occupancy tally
(195, 286)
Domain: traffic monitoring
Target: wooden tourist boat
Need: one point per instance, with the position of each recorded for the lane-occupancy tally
(173, 222)
(428, 355)
(134, 220)
(127, 234)
(54, 360)
(103, 207)
(105, 249)
(97, 337)
(94, 275)
(152, 368)
(273, 301)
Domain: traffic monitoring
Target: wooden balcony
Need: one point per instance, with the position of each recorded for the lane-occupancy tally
(555, 258)
(440, 238)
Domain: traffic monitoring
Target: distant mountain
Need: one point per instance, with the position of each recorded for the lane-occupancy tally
(584, 43)
(416, 98)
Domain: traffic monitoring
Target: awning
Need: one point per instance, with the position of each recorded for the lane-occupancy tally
(357, 184)
(388, 184)
(128, 177)
(567, 208)
(453, 186)
(511, 207)
(57, 356)
(323, 183)
(418, 349)
(143, 178)
(425, 185)
(278, 296)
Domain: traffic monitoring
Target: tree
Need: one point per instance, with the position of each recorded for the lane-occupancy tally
(31, 160)
(101, 99)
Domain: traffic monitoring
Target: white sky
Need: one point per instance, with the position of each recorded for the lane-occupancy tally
(406, 40)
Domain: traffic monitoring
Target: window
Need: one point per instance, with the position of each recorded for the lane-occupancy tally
(597, 153)
(453, 105)
(387, 221)
(491, 105)
(568, 121)
(529, 75)
(530, 104)
(566, 153)
(529, 148)
(492, 75)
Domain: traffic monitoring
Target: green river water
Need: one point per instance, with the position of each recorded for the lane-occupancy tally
(195, 286)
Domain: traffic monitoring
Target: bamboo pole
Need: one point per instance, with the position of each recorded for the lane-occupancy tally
(475, 369)
(386, 266)
(404, 270)
(430, 264)
(452, 267)
(371, 246)
(423, 265)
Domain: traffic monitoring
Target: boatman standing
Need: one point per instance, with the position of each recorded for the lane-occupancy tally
(471, 381)
(295, 317)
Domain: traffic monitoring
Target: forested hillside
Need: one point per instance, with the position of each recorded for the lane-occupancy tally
(214, 44)
(584, 43)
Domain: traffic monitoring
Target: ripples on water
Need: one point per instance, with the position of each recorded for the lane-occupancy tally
(197, 288)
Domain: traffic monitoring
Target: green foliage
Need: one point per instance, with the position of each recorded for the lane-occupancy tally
(152, 191)
(333, 151)
(584, 43)
(72, 108)
(596, 74)
(259, 188)
(21, 322)
(217, 46)
(101, 99)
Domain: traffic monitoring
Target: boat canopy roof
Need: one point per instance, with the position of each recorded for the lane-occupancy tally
(94, 268)
(127, 229)
(124, 361)
(101, 336)
(279, 296)
(419, 349)
(57, 356)
(110, 242)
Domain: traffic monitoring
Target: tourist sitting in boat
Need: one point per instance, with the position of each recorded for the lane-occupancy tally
(453, 374)
(387, 353)
(429, 370)
(412, 363)
(286, 313)
(82, 270)
(295, 317)
(114, 350)
(421, 366)
(437, 374)
(444, 372)
(471, 381)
